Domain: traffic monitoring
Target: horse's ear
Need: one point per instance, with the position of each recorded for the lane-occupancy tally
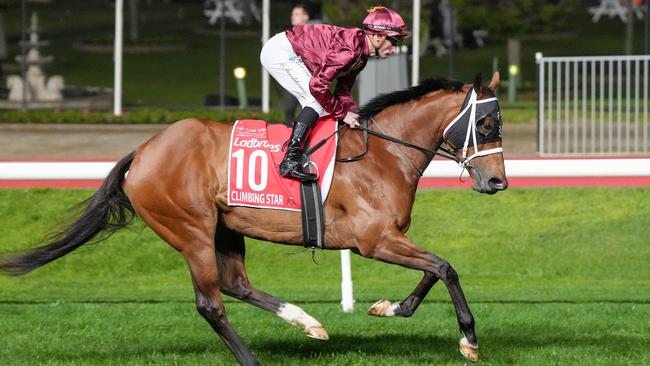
(494, 83)
(478, 80)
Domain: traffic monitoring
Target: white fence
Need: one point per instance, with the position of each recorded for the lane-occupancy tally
(525, 168)
(593, 105)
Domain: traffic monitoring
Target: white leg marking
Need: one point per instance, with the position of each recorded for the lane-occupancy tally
(296, 316)
(464, 342)
(468, 350)
(383, 308)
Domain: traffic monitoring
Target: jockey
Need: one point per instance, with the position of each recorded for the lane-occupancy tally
(306, 59)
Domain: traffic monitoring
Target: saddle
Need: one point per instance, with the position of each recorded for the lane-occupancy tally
(254, 180)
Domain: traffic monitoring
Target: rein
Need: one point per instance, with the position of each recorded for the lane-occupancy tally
(429, 153)
(426, 151)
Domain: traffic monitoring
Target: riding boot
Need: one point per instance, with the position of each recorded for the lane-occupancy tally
(291, 164)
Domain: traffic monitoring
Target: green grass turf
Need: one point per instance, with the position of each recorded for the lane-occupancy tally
(173, 333)
(553, 276)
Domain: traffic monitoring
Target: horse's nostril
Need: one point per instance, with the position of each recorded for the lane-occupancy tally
(497, 183)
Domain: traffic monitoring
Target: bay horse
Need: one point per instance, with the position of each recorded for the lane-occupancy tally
(177, 184)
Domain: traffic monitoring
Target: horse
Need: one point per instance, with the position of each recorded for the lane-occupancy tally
(177, 184)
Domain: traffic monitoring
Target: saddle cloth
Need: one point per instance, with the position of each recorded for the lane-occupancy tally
(255, 154)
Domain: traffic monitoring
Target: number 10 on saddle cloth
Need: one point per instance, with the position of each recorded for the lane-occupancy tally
(256, 152)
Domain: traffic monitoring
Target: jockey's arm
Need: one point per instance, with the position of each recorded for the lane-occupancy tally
(336, 61)
(343, 91)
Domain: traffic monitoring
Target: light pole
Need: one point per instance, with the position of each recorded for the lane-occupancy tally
(240, 76)
(23, 50)
(513, 75)
(452, 35)
(647, 27)
(222, 57)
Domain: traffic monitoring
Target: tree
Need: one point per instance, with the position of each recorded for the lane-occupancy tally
(351, 13)
(629, 28)
(499, 17)
(512, 18)
(134, 15)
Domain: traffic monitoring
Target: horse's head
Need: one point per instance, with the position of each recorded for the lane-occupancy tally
(475, 136)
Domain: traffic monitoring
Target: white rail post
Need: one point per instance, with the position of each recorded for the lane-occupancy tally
(539, 59)
(415, 55)
(347, 301)
(117, 58)
(266, 29)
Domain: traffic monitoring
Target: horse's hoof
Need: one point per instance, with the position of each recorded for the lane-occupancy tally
(382, 308)
(317, 333)
(468, 350)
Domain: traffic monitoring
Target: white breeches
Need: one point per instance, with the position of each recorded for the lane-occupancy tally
(287, 69)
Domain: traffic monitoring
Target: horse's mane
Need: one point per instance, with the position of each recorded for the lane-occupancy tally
(426, 86)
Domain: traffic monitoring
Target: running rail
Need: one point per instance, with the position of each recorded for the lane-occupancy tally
(515, 168)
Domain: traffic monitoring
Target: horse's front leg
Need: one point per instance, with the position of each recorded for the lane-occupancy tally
(397, 249)
(406, 307)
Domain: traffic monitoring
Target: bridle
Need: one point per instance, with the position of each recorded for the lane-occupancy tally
(455, 128)
(469, 105)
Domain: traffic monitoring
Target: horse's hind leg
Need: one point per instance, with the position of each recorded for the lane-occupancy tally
(231, 253)
(205, 278)
(191, 232)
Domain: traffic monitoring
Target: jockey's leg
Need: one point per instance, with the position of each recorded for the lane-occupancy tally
(287, 68)
(291, 164)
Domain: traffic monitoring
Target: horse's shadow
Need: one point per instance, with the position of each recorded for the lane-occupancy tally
(501, 345)
(385, 344)
(498, 345)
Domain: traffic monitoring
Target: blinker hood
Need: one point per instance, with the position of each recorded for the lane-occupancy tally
(460, 129)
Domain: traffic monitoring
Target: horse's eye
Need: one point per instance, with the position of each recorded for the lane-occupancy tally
(485, 126)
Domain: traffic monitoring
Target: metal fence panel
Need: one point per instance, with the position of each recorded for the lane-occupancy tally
(593, 105)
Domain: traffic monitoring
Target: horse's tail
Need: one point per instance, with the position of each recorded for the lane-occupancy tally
(106, 211)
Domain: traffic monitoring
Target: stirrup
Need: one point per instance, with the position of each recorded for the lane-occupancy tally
(302, 175)
(293, 169)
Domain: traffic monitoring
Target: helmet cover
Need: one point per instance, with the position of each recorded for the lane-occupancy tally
(384, 22)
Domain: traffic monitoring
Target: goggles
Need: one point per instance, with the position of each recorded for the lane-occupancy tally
(383, 28)
(396, 41)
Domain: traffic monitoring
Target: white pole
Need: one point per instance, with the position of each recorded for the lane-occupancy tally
(266, 9)
(541, 86)
(347, 302)
(415, 55)
(117, 58)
